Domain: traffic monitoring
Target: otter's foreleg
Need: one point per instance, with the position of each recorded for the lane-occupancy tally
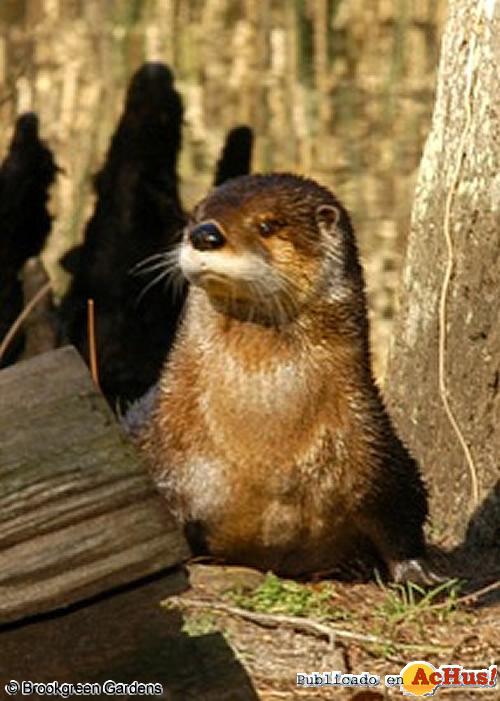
(393, 519)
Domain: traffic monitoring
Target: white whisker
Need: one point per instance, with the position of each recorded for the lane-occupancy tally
(169, 271)
(152, 283)
(155, 257)
(149, 269)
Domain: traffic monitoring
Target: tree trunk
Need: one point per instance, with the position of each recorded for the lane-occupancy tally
(442, 381)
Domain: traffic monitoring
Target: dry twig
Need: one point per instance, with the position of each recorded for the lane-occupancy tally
(274, 620)
(92, 342)
(475, 595)
(443, 391)
(22, 316)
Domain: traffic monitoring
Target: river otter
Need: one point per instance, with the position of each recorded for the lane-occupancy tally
(268, 435)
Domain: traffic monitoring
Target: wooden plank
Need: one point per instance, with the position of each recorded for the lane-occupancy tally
(78, 511)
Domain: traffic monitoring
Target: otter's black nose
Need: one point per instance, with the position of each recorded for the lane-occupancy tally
(207, 237)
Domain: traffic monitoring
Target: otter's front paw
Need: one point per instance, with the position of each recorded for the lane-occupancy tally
(416, 571)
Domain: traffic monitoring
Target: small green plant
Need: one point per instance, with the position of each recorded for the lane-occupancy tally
(290, 598)
(409, 601)
(199, 624)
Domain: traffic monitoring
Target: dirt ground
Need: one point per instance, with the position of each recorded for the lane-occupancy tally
(352, 628)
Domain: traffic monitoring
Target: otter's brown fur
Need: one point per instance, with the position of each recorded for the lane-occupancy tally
(268, 437)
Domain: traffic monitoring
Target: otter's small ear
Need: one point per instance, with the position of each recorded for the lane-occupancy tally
(327, 217)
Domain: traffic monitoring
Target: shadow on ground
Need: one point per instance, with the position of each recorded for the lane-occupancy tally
(477, 558)
(125, 637)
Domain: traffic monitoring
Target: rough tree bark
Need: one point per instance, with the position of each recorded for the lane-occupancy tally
(447, 334)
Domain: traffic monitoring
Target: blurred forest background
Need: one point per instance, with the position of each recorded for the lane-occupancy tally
(341, 90)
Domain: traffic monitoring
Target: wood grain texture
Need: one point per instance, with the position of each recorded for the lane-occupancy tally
(78, 513)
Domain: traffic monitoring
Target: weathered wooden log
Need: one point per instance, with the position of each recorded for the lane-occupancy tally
(78, 513)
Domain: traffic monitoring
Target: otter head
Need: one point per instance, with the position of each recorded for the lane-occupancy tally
(263, 247)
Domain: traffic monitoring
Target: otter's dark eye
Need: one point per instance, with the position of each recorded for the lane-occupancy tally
(268, 227)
